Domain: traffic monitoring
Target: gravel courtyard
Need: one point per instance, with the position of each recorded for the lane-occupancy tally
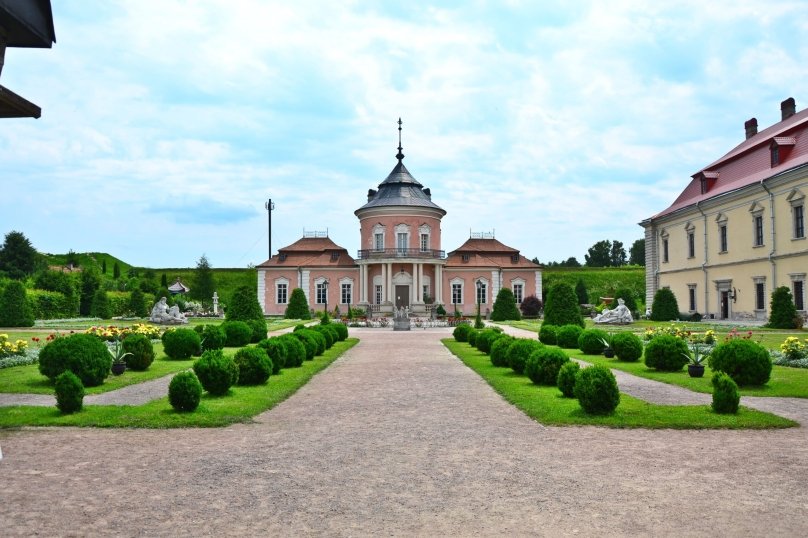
(399, 438)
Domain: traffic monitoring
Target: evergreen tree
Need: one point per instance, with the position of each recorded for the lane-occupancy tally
(505, 307)
(243, 305)
(203, 284)
(116, 271)
(164, 281)
(18, 258)
(72, 259)
(100, 306)
(581, 292)
(637, 253)
(90, 283)
(562, 307)
(664, 307)
(783, 313)
(104, 266)
(137, 303)
(15, 311)
(298, 306)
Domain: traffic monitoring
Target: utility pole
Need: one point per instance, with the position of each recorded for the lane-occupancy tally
(269, 206)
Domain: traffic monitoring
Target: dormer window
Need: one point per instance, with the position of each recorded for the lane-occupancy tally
(515, 258)
(282, 257)
(706, 179)
(465, 257)
(780, 148)
(334, 256)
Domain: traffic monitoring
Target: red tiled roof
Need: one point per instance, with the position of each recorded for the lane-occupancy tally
(484, 245)
(487, 253)
(311, 251)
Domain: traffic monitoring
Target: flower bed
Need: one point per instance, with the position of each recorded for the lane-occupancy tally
(112, 332)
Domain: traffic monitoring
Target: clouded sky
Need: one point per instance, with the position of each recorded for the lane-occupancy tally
(167, 124)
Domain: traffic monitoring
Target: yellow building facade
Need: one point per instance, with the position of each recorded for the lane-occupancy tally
(738, 230)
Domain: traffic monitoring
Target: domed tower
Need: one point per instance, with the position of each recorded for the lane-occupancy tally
(400, 260)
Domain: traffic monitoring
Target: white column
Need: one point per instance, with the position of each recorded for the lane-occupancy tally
(414, 292)
(384, 281)
(439, 283)
(420, 282)
(391, 294)
(363, 283)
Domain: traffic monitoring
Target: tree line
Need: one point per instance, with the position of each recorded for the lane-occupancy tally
(606, 253)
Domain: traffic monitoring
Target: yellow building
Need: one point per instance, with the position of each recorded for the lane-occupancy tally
(737, 231)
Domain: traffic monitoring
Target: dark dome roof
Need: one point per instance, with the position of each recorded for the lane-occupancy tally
(400, 189)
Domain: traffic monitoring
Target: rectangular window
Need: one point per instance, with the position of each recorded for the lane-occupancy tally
(482, 292)
(799, 290)
(281, 294)
(775, 156)
(691, 293)
(665, 251)
(799, 222)
(321, 293)
(758, 231)
(345, 293)
(378, 241)
(378, 294)
(402, 243)
(425, 292)
(457, 293)
(722, 237)
(424, 242)
(691, 245)
(518, 292)
(760, 296)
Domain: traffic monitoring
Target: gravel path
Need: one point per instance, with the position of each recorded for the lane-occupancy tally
(399, 438)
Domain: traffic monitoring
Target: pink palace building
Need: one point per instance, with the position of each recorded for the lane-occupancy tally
(401, 262)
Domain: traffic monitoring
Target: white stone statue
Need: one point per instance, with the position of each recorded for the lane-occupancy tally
(621, 314)
(161, 313)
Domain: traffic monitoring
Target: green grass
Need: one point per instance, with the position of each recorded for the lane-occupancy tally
(241, 404)
(548, 406)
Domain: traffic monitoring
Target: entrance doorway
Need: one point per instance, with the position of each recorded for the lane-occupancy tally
(724, 304)
(402, 296)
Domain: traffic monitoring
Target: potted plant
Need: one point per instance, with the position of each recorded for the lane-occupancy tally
(118, 357)
(608, 351)
(695, 368)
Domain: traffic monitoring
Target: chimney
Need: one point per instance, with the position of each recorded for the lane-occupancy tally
(788, 108)
(751, 128)
(428, 193)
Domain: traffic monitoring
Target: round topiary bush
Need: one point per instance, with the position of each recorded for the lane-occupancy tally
(184, 391)
(485, 338)
(259, 329)
(543, 365)
(461, 332)
(499, 350)
(237, 333)
(567, 336)
(664, 307)
(519, 351)
(562, 307)
(745, 361)
(327, 334)
(319, 339)
(216, 372)
(181, 344)
(666, 353)
(341, 329)
(548, 334)
(295, 351)
(141, 349)
(725, 394)
(83, 354)
(566, 378)
(276, 351)
(213, 336)
(69, 392)
(308, 342)
(627, 346)
(596, 390)
(471, 337)
(254, 365)
(591, 341)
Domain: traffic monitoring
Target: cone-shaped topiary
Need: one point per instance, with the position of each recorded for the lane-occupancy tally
(505, 307)
(15, 311)
(725, 394)
(298, 306)
(69, 392)
(254, 365)
(184, 391)
(664, 307)
(562, 307)
(627, 346)
(216, 372)
(596, 390)
(783, 312)
(244, 305)
(141, 349)
(580, 292)
(544, 364)
(137, 303)
(566, 378)
(745, 361)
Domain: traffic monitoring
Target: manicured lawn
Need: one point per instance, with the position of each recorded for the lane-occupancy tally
(239, 405)
(546, 405)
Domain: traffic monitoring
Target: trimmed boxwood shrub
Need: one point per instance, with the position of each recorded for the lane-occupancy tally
(308, 342)
(216, 372)
(567, 336)
(596, 390)
(471, 338)
(562, 307)
(548, 334)
(666, 353)
(141, 349)
(566, 378)
(275, 349)
(664, 307)
(254, 365)
(543, 365)
(181, 343)
(519, 351)
(499, 350)
(295, 350)
(184, 391)
(461, 332)
(69, 392)
(237, 333)
(745, 361)
(15, 311)
(327, 334)
(726, 397)
(83, 354)
(318, 338)
(213, 336)
(591, 341)
(485, 339)
(259, 329)
(341, 329)
(627, 346)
